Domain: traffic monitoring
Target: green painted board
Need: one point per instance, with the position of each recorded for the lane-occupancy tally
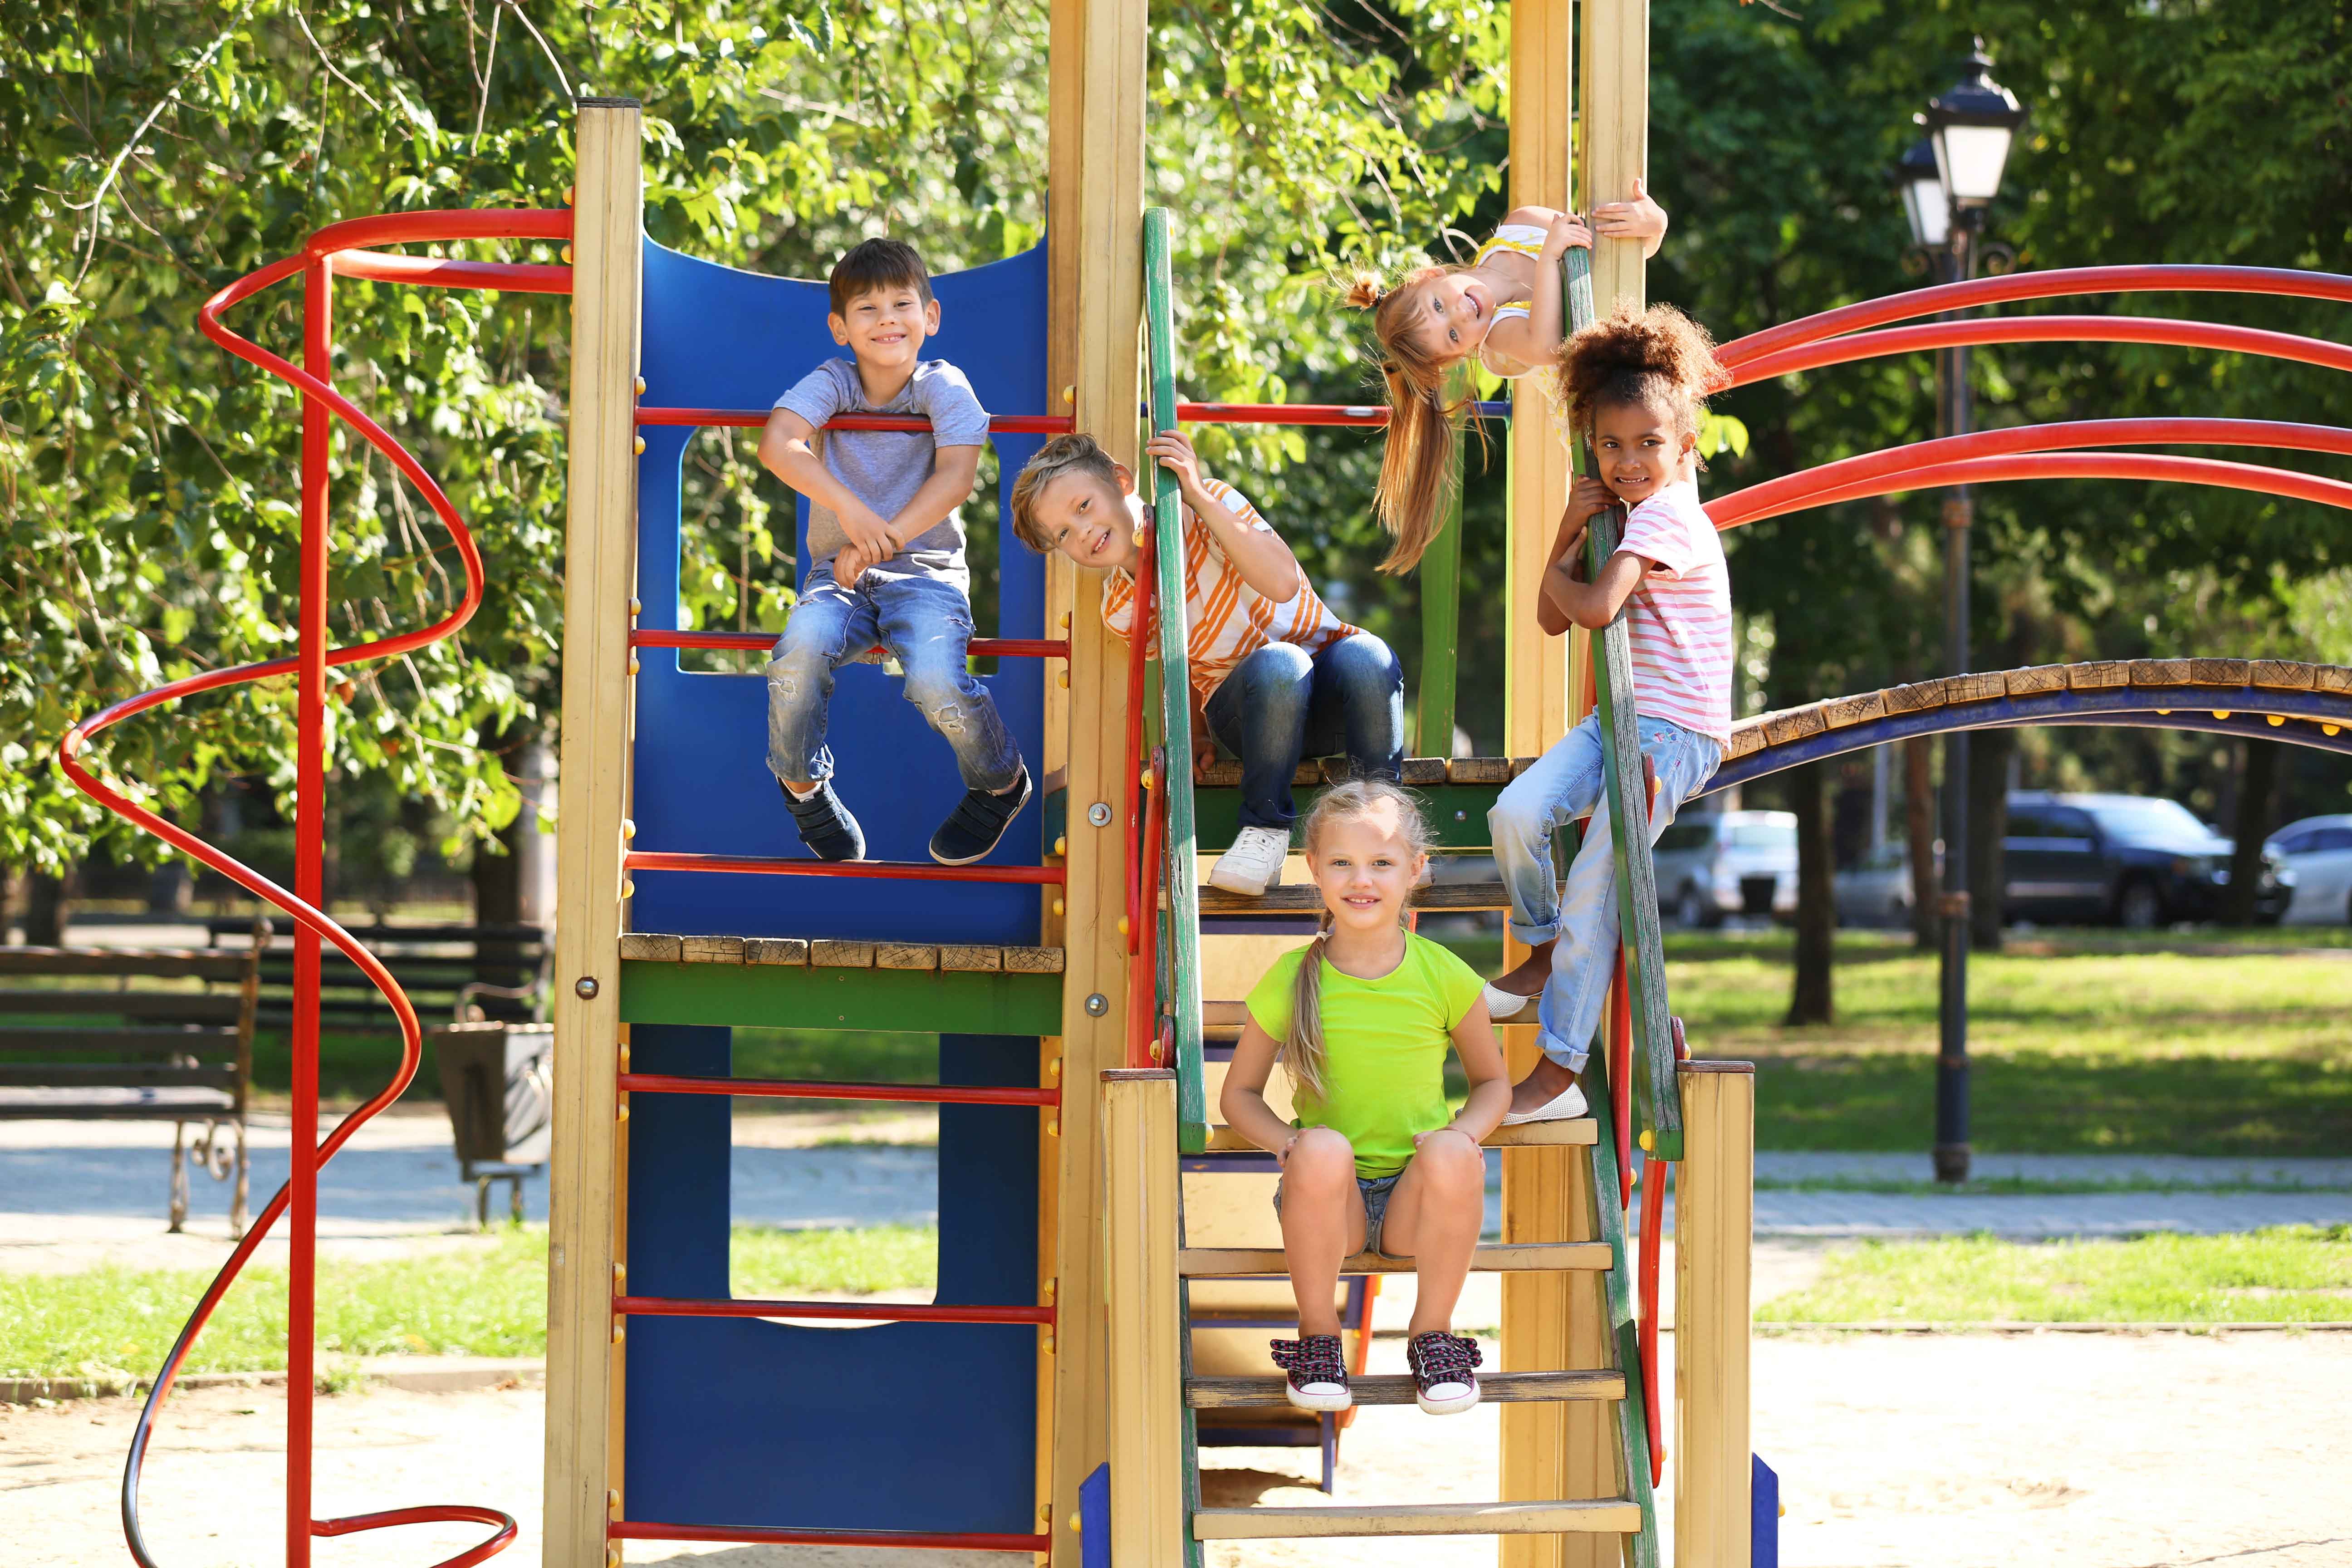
(1441, 623)
(791, 996)
(1629, 808)
(1175, 704)
(1456, 812)
(1625, 1329)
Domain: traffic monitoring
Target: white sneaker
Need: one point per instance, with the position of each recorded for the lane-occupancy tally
(1505, 1003)
(1253, 863)
(1565, 1106)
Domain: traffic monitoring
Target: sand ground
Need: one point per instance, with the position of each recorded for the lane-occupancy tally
(2097, 1451)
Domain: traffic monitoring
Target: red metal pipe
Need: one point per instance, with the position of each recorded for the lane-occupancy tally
(806, 1089)
(2046, 329)
(1155, 879)
(760, 642)
(854, 1311)
(891, 870)
(440, 224)
(1139, 634)
(1370, 414)
(2084, 466)
(309, 665)
(1654, 1220)
(1143, 928)
(1621, 1077)
(753, 419)
(2282, 281)
(1774, 497)
(788, 1535)
(448, 272)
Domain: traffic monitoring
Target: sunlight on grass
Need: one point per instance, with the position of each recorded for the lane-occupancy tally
(2290, 1274)
(489, 1302)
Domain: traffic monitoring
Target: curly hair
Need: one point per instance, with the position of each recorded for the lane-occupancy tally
(1658, 358)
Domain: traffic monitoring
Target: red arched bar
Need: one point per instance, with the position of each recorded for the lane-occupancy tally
(1791, 492)
(2282, 281)
(508, 277)
(2162, 330)
(2084, 466)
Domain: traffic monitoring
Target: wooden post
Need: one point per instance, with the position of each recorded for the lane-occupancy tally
(1551, 1321)
(1715, 1206)
(1145, 1381)
(584, 1363)
(1095, 185)
(1616, 128)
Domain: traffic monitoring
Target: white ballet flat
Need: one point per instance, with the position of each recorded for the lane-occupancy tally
(1505, 1003)
(1566, 1106)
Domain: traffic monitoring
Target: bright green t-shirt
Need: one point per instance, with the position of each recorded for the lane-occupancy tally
(1384, 1045)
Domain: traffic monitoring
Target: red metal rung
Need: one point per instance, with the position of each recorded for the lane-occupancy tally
(873, 1313)
(760, 642)
(890, 870)
(810, 1088)
(788, 1535)
(753, 419)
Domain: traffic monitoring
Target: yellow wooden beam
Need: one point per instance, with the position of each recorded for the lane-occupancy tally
(1715, 1211)
(1096, 128)
(583, 1362)
(1145, 1387)
(1616, 134)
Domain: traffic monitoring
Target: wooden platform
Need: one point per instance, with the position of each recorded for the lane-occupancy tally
(1506, 1387)
(1230, 1262)
(1304, 899)
(1584, 1516)
(1580, 1132)
(820, 953)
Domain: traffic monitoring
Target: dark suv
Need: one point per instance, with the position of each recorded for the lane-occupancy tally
(2131, 859)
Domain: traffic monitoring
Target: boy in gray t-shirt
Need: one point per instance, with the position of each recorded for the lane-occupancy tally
(887, 539)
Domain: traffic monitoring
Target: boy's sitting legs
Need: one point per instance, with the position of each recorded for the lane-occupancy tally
(926, 623)
(823, 626)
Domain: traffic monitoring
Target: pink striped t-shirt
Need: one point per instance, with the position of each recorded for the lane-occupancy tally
(1679, 619)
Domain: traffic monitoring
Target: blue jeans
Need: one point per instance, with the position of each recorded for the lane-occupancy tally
(1565, 783)
(925, 623)
(1282, 703)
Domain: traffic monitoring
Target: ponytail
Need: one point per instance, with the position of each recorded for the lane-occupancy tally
(1426, 398)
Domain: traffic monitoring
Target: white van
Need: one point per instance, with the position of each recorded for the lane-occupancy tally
(1717, 863)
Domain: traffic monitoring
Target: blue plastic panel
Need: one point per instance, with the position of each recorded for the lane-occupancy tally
(716, 337)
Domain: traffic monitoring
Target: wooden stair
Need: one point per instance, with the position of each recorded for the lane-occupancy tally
(1579, 1134)
(1233, 1262)
(1303, 899)
(1610, 1516)
(1510, 1387)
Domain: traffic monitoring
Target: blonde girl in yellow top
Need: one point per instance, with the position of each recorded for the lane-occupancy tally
(1503, 309)
(1363, 1018)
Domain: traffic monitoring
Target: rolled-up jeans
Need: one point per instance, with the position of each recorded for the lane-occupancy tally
(925, 623)
(1282, 703)
(1565, 783)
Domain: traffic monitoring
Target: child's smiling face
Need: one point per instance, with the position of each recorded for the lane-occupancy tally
(1365, 866)
(885, 328)
(1087, 520)
(1639, 449)
(1453, 315)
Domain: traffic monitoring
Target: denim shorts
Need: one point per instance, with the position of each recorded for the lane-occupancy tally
(1376, 1191)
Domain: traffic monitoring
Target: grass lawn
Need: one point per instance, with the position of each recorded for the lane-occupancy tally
(2292, 1274)
(490, 1301)
(2082, 1042)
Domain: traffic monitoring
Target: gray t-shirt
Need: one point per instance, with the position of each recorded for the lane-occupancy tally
(884, 469)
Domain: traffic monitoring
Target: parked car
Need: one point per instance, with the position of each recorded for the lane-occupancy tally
(2134, 860)
(2317, 851)
(1878, 891)
(1717, 863)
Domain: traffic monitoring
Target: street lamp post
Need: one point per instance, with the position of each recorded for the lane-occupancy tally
(1947, 179)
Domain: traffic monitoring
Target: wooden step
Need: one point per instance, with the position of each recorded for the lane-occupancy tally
(1304, 899)
(1234, 1262)
(1578, 1134)
(1581, 1516)
(1417, 773)
(821, 952)
(1510, 1387)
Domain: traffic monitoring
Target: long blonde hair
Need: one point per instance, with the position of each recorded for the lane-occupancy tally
(1427, 397)
(1302, 1046)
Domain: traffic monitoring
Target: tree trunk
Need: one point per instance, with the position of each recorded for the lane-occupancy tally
(1989, 754)
(498, 875)
(1919, 833)
(49, 908)
(1811, 1002)
(2258, 782)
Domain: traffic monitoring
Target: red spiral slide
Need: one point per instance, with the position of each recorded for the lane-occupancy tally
(333, 251)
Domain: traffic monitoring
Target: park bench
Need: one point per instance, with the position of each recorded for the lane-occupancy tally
(122, 1050)
(496, 973)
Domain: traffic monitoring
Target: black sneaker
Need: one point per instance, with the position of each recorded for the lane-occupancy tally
(825, 824)
(1445, 1371)
(1319, 1373)
(977, 824)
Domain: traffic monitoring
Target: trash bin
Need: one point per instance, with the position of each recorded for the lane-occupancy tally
(496, 1081)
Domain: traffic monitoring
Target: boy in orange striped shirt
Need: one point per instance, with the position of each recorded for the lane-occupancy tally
(1277, 675)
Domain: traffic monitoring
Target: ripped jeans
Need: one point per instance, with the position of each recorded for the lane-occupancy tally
(925, 623)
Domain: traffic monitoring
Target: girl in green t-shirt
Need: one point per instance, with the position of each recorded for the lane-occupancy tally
(1362, 1018)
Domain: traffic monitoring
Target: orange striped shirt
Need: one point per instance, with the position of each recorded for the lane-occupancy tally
(1225, 620)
